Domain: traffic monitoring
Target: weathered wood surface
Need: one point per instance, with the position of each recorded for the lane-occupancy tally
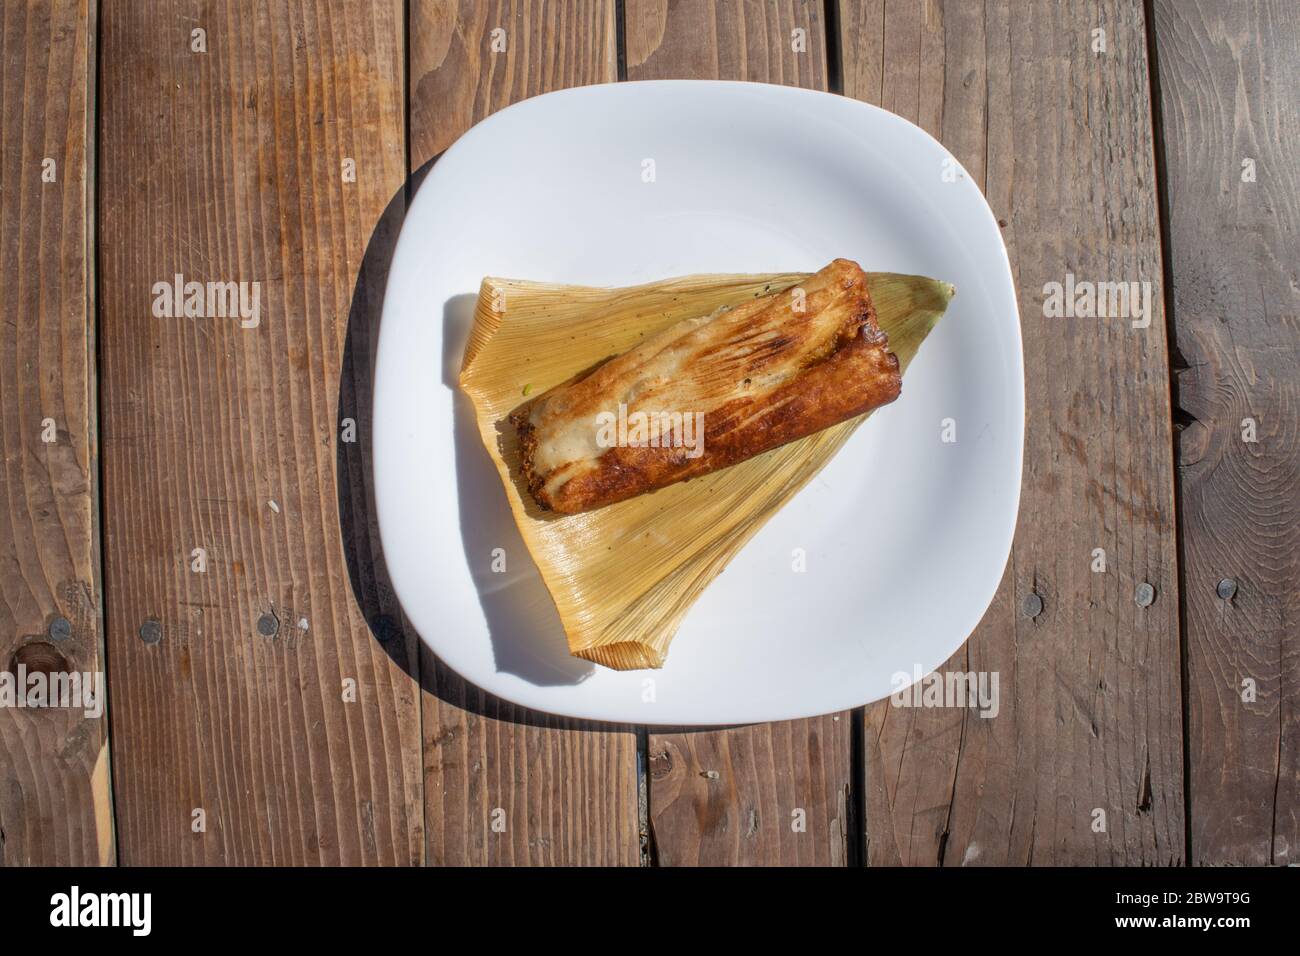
(727, 40)
(1059, 137)
(55, 804)
(771, 793)
(229, 164)
(559, 792)
(1228, 75)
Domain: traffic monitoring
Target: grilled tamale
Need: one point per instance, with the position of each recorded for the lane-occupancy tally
(624, 577)
(709, 392)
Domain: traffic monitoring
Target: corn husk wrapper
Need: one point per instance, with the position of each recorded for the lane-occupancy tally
(623, 576)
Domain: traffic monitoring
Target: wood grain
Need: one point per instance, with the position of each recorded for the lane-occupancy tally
(763, 795)
(229, 166)
(458, 75)
(225, 165)
(505, 785)
(1059, 137)
(774, 793)
(55, 804)
(1227, 80)
(726, 40)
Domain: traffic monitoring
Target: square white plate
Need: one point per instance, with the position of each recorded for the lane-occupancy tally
(904, 536)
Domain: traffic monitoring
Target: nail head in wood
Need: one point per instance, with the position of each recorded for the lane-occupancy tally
(151, 631)
(267, 625)
(1145, 595)
(1226, 589)
(1032, 606)
(60, 629)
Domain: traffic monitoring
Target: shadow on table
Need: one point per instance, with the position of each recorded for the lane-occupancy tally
(513, 604)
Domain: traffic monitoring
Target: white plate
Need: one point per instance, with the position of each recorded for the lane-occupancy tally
(906, 536)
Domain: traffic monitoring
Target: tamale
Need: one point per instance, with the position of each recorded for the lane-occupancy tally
(708, 392)
(623, 577)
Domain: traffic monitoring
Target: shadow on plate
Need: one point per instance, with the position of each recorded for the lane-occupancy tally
(527, 638)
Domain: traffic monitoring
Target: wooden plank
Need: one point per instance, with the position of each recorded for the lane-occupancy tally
(55, 801)
(899, 57)
(727, 40)
(1089, 688)
(230, 164)
(560, 792)
(774, 793)
(458, 78)
(1227, 80)
(766, 794)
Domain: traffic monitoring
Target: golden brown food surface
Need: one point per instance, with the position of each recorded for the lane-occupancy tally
(710, 392)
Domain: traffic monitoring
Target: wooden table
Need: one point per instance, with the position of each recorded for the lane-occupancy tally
(181, 508)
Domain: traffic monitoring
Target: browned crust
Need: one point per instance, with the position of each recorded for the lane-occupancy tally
(856, 375)
(527, 447)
